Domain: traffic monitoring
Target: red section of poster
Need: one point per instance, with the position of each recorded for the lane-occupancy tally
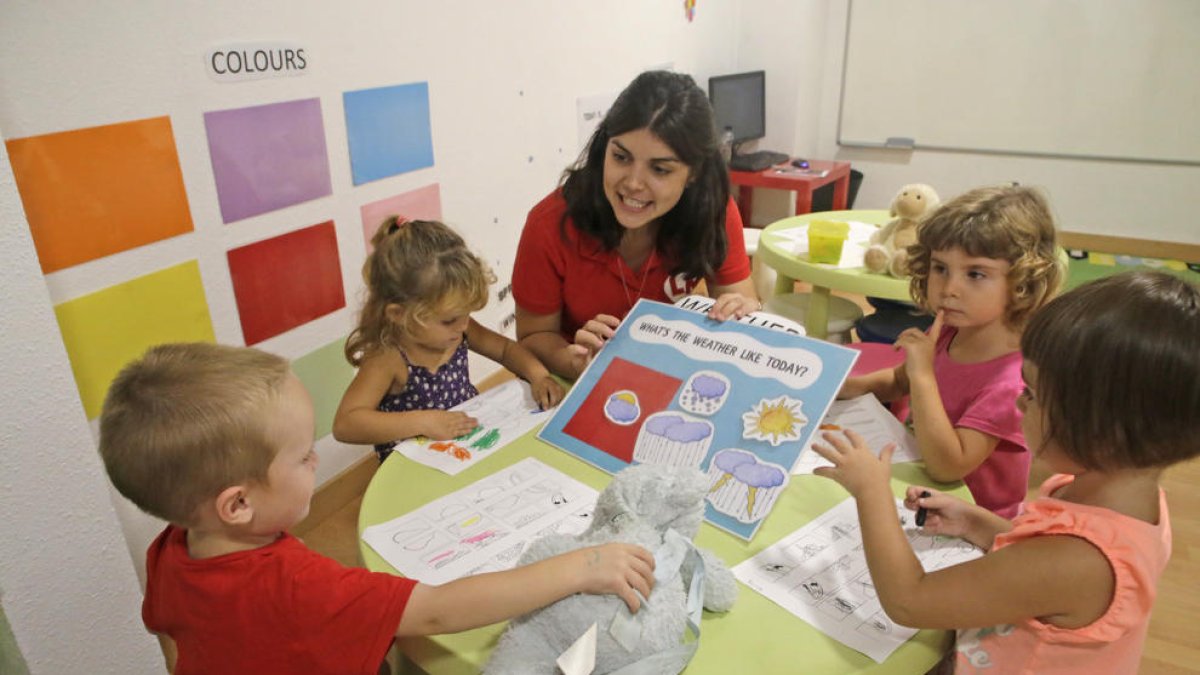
(286, 281)
(654, 392)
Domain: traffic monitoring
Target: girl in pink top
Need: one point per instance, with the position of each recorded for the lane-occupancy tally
(1112, 388)
(983, 263)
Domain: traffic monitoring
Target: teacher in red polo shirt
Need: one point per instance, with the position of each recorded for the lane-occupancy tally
(646, 213)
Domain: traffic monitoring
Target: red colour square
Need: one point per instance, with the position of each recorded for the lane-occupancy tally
(654, 392)
(286, 281)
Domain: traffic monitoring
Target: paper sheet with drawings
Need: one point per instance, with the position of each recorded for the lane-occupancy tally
(875, 423)
(505, 413)
(852, 251)
(485, 526)
(819, 574)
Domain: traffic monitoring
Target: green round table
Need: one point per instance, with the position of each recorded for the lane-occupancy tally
(756, 636)
(776, 252)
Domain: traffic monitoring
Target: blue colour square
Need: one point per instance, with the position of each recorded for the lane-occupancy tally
(388, 131)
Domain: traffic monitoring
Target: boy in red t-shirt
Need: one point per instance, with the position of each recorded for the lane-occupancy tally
(219, 441)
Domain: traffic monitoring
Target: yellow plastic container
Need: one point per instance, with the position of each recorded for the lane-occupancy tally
(825, 240)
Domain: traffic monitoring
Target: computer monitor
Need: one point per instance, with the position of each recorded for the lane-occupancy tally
(739, 102)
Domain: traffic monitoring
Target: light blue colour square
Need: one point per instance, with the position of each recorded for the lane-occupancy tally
(388, 130)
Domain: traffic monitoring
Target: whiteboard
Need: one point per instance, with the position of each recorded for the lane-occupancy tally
(1113, 79)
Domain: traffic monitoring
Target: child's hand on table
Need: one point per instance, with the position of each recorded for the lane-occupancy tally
(443, 425)
(546, 391)
(944, 514)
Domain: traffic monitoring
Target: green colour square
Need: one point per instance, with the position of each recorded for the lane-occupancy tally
(325, 374)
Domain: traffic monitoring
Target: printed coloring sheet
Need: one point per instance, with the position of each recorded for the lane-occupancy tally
(484, 526)
(875, 423)
(505, 413)
(819, 573)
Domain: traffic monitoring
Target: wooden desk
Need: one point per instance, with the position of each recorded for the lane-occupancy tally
(776, 252)
(787, 177)
(755, 636)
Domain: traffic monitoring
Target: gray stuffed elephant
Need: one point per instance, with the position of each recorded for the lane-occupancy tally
(638, 507)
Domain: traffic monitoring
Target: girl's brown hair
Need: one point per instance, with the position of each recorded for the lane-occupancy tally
(1010, 223)
(1118, 370)
(424, 266)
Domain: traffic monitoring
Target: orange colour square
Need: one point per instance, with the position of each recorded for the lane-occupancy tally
(93, 192)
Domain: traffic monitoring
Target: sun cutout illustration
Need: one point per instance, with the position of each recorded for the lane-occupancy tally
(775, 421)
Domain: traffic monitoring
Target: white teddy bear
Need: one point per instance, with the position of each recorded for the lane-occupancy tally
(887, 249)
(641, 504)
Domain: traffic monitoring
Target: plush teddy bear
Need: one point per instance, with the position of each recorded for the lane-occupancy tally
(641, 504)
(887, 249)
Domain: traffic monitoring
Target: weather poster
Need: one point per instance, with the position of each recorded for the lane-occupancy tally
(737, 401)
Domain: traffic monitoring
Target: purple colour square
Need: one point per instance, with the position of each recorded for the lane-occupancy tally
(267, 157)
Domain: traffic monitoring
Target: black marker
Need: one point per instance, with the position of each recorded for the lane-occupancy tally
(921, 511)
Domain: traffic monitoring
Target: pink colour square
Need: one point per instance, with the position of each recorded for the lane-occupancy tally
(424, 203)
(286, 281)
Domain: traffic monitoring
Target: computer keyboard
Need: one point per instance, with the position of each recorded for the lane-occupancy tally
(756, 161)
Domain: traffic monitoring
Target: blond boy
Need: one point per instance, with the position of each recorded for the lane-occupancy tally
(219, 442)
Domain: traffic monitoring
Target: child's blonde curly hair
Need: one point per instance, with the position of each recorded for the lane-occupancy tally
(424, 266)
(1011, 223)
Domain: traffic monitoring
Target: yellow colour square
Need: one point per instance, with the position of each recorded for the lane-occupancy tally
(109, 328)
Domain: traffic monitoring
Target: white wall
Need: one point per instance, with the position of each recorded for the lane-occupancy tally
(68, 589)
(504, 79)
(804, 42)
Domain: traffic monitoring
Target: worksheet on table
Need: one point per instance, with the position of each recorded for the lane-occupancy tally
(504, 413)
(819, 573)
(875, 423)
(485, 526)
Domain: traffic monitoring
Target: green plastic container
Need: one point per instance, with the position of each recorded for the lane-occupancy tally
(825, 240)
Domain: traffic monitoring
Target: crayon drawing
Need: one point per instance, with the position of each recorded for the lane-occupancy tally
(504, 414)
(484, 526)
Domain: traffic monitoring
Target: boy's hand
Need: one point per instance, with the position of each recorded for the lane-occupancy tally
(546, 391)
(919, 347)
(619, 569)
(443, 425)
(943, 514)
(855, 467)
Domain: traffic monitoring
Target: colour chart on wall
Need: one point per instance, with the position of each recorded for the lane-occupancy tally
(735, 400)
(819, 573)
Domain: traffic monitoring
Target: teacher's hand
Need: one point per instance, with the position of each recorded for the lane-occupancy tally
(590, 339)
(592, 336)
(733, 305)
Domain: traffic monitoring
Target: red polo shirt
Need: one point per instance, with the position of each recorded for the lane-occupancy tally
(580, 279)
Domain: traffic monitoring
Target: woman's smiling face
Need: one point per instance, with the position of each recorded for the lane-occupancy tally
(643, 178)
